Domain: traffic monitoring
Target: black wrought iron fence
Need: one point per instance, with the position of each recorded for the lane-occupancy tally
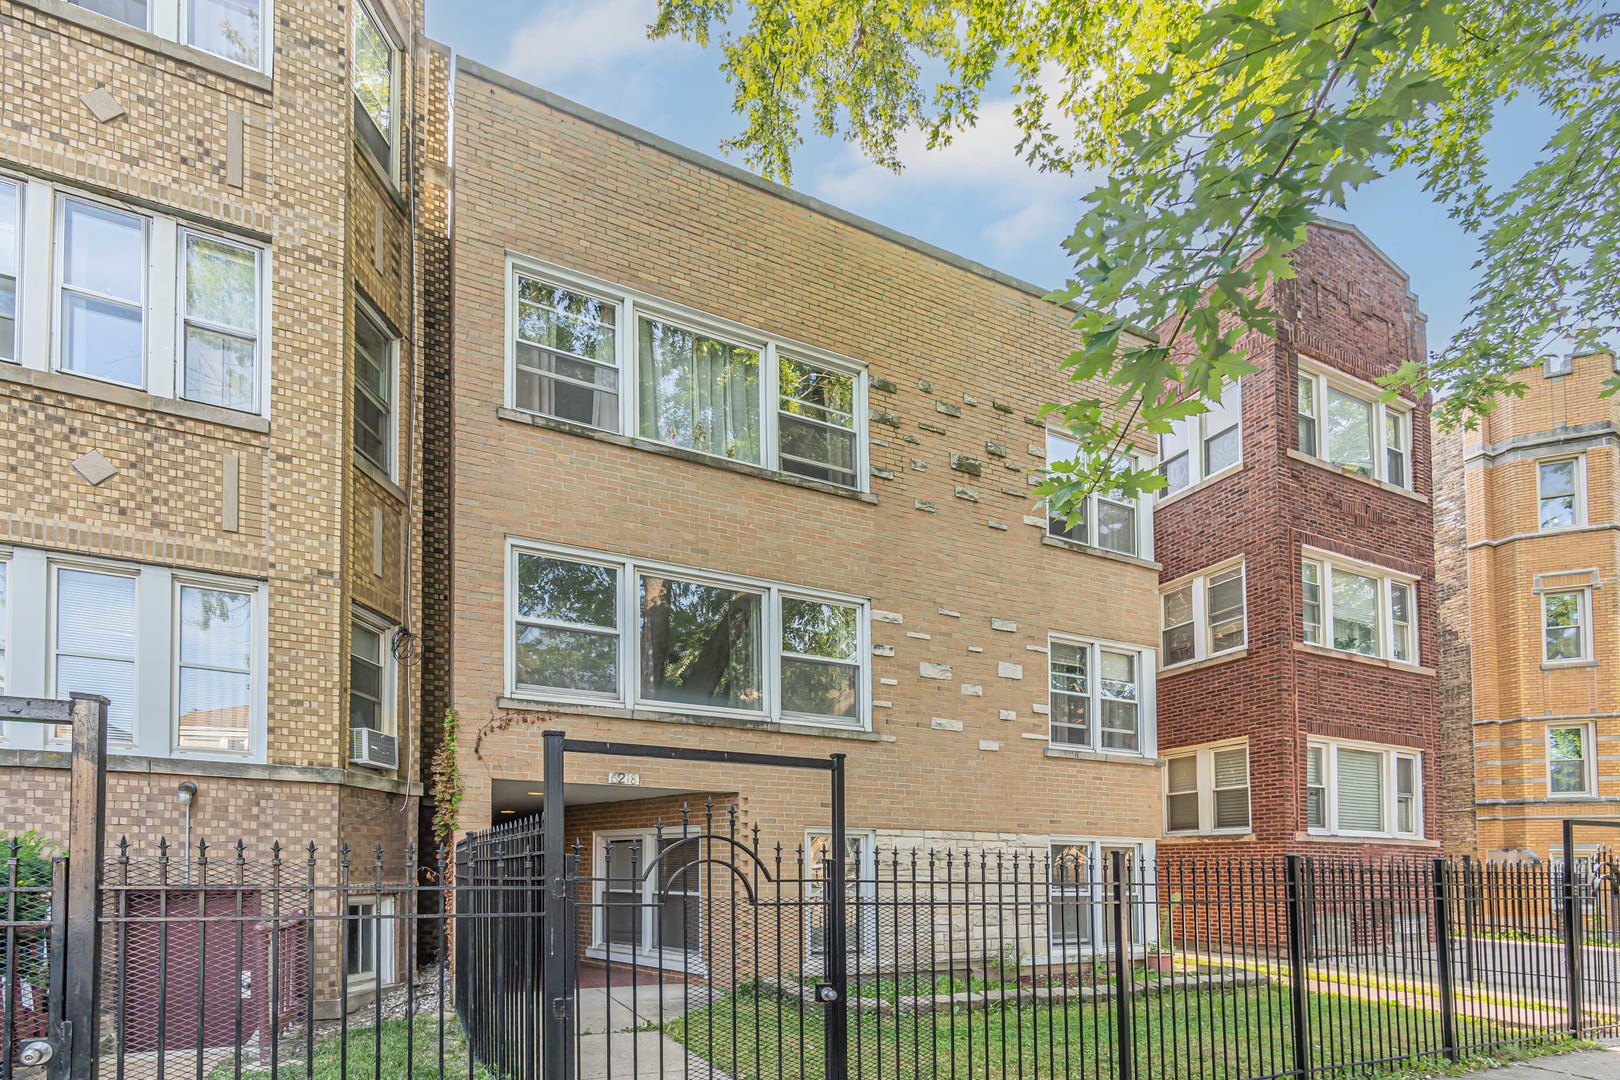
(699, 948)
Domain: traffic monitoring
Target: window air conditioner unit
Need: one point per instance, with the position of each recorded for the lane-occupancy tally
(367, 746)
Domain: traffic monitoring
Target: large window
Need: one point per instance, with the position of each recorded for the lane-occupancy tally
(214, 669)
(1358, 789)
(1099, 697)
(374, 351)
(588, 627)
(373, 77)
(1357, 608)
(1570, 760)
(649, 892)
(102, 281)
(596, 354)
(1343, 421)
(180, 656)
(10, 262)
(1104, 520)
(220, 312)
(1204, 615)
(1207, 789)
(1202, 446)
(1566, 635)
(1561, 493)
(233, 30)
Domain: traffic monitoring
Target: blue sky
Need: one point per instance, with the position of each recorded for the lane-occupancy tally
(975, 197)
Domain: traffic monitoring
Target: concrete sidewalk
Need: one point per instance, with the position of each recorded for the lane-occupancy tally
(1601, 1064)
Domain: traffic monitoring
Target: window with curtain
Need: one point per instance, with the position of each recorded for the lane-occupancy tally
(1230, 772)
(10, 263)
(566, 354)
(566, 635)
(1070, 694)
(102, 263)
(1181, 793)
(94, 646)
(1095, 697)
(215, 669)
(698, 392)
(701, 644)
(1179, 638)
(1361, 790)
(221, 322)
(816, 422)
(1316, 787)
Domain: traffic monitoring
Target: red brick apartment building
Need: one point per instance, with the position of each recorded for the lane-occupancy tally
(734, 469)
(1298, 700)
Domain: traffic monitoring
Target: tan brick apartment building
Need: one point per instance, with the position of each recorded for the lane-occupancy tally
(736, 469)
(1298, 707)
(209, 412)
(1536, 486)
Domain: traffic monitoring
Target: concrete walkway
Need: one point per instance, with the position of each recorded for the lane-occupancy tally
(1601, 1064)
(612, 1048)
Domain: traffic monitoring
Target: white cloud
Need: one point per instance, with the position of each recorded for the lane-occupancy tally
(585, 45)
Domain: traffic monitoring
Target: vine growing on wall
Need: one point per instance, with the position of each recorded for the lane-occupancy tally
(447, 784)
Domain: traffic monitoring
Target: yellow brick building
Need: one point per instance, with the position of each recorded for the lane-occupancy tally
(1543, 615)
(209, 413)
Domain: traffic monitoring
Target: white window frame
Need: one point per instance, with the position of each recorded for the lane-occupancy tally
(1326, 378)
(1142, 543)
(20, 237)
(257, 674)
(630, 569)
(261, 341)
(61, 287)
(1194, 428)
(1327, 562)
(1199, 583)
(1558, 364)
(169, 19)
(1391, 795)
(669, 959)
(1205, 788)
(633, 306)
(1146, 697)
(383, 942)
(390, 169)
(1583, 595)
(1579, 494)
(864, 900)
(384, 628)
(1588, 759)
(1142, 896)
(365, 309)
(5, 627)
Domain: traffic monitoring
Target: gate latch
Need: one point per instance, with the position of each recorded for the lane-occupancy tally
(36, 1052)
(826, 993)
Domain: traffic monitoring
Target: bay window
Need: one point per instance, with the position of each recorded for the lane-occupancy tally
(1207, 789)
(102, 290)
(1358, 608)
(1363, 789)
(1097, 698)
(1104, 520)
(1560, 493)
(1204, 615)
(1346, 423)
(10, 261)
(1566, 626)
(1570, 760)
(595, 354)
(587, 627)
(1199, 447)
(234, 30)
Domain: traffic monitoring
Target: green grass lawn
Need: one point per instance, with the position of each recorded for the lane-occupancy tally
(400, 1043)
(757, 1034)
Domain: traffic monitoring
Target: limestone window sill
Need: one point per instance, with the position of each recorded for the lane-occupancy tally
(1207, 662)
(1209, 481)
(145, 39)
(1096, 755)
(781, 727)
(1328, 466)
(57, 382)
(1357, 658)
(1102, 553)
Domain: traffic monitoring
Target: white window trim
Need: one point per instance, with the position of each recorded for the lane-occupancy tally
(5, 632)
(389, 169)
(1146, 696)
(1328, 561)
(261, 344)
(384, 974)
(866, 883)
(364, 308)
(771, 592)
(151, 245)
(19, 315)
(40, 271)
(31, 593)
(1143, 541)
(1588, 761)
(1145, 853)
(1580, 492)
(1194, 427)
(1199, 582)
(1326, 377)
(384, 628)
(678, 960)
(1205, 757)
(1583, 595)
(1330, 777)
(168, 20)
(634, 306)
